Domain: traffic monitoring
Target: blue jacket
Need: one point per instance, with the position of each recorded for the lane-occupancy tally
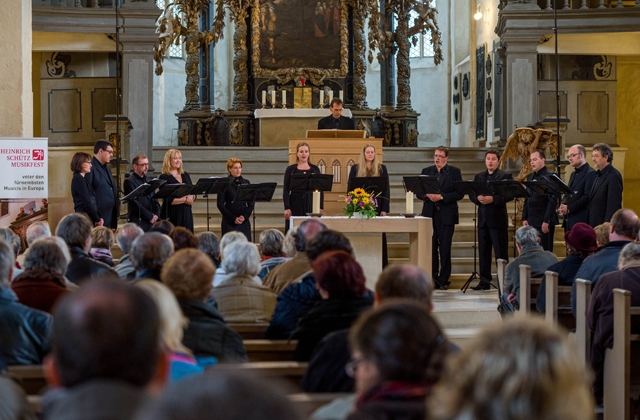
(293, 303)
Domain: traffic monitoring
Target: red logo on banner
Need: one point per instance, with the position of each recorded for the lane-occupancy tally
(37, 154)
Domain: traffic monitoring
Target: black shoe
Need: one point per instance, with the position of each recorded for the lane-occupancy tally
(443, 286)
(482, 285)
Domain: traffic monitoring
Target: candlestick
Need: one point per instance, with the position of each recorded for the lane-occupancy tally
(322, 98)
(409, 205)
(330, 97)
(316, 202)
(273, 98)
(341, 96)
(284, 99)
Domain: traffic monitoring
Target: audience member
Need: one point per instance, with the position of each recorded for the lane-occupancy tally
(624, 229)
(271, 241)
(148, 254)
(42, 282)
(13, 401)
(600, 312)
(209, 243)
(581, 242)
(602, 234)
(75, 231)
(341, 284)
(531, 254)
(35, 230)
(101, 242)
(296, 300)
(286, 273)
(227, 239)
(188, 275)
(107, 352)
(224, 395)
(240, 298)
(24, 332)
(183, 238)
(162, 226)
(289, 243)
(398, 354)
(126, 235)
(520, 369)
(14, 241)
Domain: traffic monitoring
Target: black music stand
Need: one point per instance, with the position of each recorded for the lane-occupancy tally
(374, 185)
(311, 182)
(211, 185)
(421, 185)
(171, 191)
(255, 193)
(510, 189)
(144, 189)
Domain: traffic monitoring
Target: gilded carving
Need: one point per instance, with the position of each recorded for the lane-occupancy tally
(236, 132)
(523, 142)
(183, 134)
(412, 135)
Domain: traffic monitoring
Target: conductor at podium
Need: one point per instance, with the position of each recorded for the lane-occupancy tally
(336, 121)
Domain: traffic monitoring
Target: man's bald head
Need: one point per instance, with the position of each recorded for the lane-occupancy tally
(307, 231)
(625, 225)
(404, 281)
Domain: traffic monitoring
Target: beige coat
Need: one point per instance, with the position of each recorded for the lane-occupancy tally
(241, 299)
(286, 273)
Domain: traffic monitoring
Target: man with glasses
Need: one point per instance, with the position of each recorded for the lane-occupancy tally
(336, 121)
(605, 197)
(149, 210)
(574, 208)
(443, 209)
(103, 184)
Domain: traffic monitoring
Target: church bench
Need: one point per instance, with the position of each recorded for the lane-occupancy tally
(30, 378)
(307, 403)
(583, 333)
(250, 331)
(528, 291)
(290, 371)
(558, 302)
(270, 350)
(502, 266)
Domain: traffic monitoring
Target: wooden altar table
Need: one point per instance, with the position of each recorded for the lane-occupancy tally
(276, 126)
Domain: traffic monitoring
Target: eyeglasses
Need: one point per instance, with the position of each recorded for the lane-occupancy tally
(108, 151)
(439, 156)
(142, 164)
(571, 156)
(352, 366)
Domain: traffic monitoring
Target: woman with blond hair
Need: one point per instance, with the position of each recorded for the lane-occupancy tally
(102, 240)
(299, 203)
(235, 216)
(178, 210)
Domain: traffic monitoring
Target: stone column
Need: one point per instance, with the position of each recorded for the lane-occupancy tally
(388, 72)
(16, 106)
(206, 91)
(521, 80)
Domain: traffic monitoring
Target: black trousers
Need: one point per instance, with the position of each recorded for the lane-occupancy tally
(546, 239)
(498, 238)
(441, 250)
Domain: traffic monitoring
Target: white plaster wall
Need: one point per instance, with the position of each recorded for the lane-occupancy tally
(168, 99)
(223, 69)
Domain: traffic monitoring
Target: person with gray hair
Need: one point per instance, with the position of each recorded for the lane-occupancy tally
(209, 243)
(271, 245)
(42, 283)
(14, 240)
(239, 297)
(531, 254)
(606, 194)
(227, 239)
(126, 235)
(35, 230)
(75, 231)
(29, 329)
(600, 311)
(148, 254)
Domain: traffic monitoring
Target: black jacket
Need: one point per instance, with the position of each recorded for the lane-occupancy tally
(326, 371)
(83, 267)
(104, 186)
(539, 209)
(580, 182)
(148, 208)
(344, 123)
(448, 206)
(84, 198)
(231, 209)
(207, 335)
(492, 215)
(606, 196)
(384, 198)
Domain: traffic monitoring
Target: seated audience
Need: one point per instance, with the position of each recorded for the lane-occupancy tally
(182, 364)
(624, 229)
(75, 231)
(126, 235)
(296, 300)
(149, 252)
(101, 242)
(520, 369)
(240, 298)
(286, 273)
(289, 243)
(581, 242)
(398, 354)
(602, 234)
(600, 311)
(107, 352)
(42, 282)
(162, 226)
(223, 395)
(14, 240)
(341, 284)
(271, 241)
(209, 243)
(188, 275)
(24, 332)
(35, 230)
(227, 239)
(531, 254)
(13, 401)
(183, 238)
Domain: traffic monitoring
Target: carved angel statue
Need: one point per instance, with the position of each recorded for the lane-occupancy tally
(523, 142)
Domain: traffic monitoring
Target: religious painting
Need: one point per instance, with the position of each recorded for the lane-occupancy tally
(294, 38)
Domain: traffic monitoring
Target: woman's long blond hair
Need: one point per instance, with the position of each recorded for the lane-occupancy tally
(166, 162)
(363, 171)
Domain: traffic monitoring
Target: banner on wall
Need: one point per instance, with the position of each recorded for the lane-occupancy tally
(24, 181)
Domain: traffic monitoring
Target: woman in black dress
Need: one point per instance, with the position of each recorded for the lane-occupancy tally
(84, 198)
(299, 203)
(178, 211)
(235, 216)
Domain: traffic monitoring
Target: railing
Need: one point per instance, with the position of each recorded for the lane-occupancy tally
(107, 4)
(588, 4)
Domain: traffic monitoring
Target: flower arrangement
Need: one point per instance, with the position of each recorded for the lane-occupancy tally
(360, 201)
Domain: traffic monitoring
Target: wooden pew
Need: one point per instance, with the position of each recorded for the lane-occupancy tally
(270, 350)
(30, 377)
(502, 266)
(250, 331)
(583, 333)
(291, 372)
(528, 291)
(619, 371)
(558, 302)
(307, 403)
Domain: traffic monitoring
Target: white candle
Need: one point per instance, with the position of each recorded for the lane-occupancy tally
(341, 96)
(330, 96)
(316, 202)
(273, 97)
(264, 97)
(409, 206)
(284, 97)
(322, 98)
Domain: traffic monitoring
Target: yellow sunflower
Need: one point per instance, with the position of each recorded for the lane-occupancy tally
(358, 192)
(354, 201)
(365, 200)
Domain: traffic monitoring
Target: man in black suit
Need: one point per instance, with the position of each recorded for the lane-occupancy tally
(606, 193)
(540, 210)
(149, 210)
(443, 209)
(336, 121)
(493, 222)
(574, 208)
(102, 182)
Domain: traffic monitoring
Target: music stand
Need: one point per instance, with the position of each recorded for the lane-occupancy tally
(142, 190)
(211, 185)
(311, 182)
(510, 189)
(375, 185)
(171, 191)
(255, 193)
(421, 185)
(477, 188)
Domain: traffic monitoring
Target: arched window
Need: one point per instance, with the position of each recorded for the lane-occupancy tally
(349, 166)
(335, 166)
(322, 166)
